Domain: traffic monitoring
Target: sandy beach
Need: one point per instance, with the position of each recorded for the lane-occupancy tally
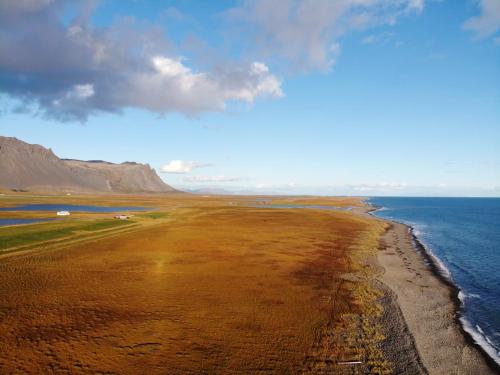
(428, 306)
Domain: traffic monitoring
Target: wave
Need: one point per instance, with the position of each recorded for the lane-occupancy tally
(417, 231)
(435, 260)
(480, 339)
(475, 333)
(376, 208)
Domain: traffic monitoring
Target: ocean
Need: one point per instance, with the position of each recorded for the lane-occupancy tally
(463, 236)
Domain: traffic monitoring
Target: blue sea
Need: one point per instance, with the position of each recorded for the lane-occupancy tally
(463, 235)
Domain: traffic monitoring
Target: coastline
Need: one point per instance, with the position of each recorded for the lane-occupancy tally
(444, 275)
(429, 303)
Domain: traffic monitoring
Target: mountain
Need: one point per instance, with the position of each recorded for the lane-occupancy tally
(25, 166)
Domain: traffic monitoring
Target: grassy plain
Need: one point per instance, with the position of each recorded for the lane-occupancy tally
(201, 285)
(22, 235)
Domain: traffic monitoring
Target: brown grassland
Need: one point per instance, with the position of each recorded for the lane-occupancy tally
(202, 285)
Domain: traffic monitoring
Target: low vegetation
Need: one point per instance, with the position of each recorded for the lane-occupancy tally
(30, 234)
(155, 215)
(319, 201)
(212, 289)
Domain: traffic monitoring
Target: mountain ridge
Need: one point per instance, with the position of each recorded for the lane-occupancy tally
(32, 167)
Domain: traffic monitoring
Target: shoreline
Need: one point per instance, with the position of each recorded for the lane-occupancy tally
(434, 264)
(417, 263)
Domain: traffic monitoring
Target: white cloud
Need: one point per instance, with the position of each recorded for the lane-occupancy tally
(70, 69)
(84, 91)
(172, 86)
(289, 185)
(172, 68)
(220, 178)
(181, 166)
(417, 5)
(382, 186)
(75, 97)
(369, 189)
(265, 84)
(303, 33)
(488, 22)
(381, 38)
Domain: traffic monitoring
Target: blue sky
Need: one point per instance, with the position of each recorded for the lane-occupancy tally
(378, 97)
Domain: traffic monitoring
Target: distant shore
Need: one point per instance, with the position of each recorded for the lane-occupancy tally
(430, 306)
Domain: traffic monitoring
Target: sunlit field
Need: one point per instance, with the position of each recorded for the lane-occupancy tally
(199, 285)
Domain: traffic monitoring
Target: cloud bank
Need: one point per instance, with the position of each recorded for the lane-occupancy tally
(70, 70)
(366, 190)
(182, 166)
(488, 22)
(306, 33)
(221, 178)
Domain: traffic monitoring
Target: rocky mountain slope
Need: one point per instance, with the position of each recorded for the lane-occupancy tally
(25, 166)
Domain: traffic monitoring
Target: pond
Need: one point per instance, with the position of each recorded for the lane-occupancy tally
(5, 221)
(73, 208)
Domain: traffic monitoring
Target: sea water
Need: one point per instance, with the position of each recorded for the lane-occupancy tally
(463, 234)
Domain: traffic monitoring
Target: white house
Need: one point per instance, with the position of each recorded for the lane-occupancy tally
(122, 217)
(63, 213)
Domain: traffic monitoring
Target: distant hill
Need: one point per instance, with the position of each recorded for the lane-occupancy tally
(29, 167)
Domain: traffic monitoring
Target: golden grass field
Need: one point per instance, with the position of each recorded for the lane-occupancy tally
(202, 285)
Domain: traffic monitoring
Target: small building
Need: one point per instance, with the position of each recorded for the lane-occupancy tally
(63, 213)
(122, 217)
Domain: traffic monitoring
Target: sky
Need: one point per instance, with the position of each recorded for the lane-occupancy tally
(329, 97)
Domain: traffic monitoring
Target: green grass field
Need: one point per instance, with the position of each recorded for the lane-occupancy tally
(29, 234)
(154, 215)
